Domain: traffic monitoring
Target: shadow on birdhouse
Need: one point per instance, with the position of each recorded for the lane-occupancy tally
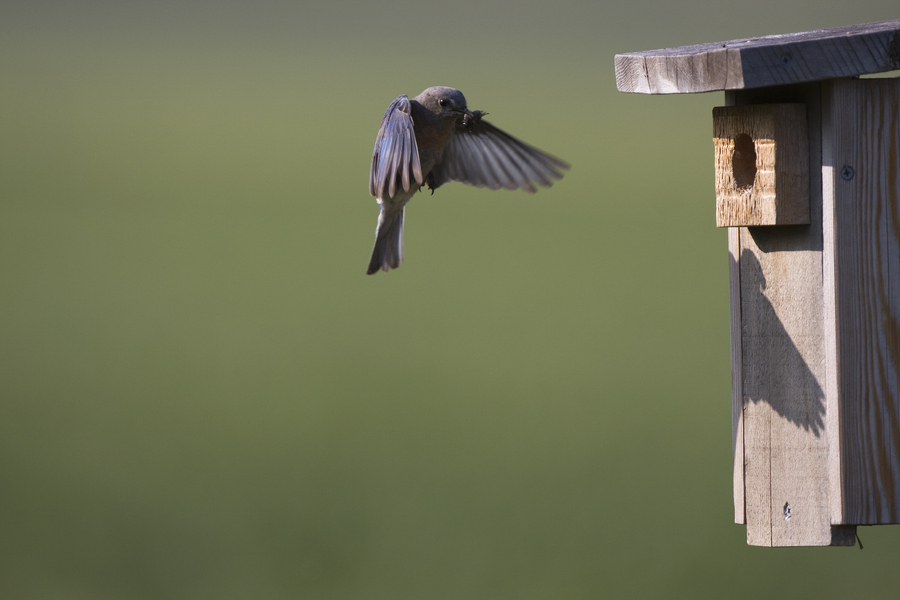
(807, 174)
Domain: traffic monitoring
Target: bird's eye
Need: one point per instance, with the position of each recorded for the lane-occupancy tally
(444, 102)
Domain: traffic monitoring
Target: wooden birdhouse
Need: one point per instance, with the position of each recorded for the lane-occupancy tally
(807, 165)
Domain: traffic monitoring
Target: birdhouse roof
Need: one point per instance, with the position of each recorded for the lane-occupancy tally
(763, 61)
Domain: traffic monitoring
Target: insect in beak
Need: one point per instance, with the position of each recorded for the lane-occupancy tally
(470, 117)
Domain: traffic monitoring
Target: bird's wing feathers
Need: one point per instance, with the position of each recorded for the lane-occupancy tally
(395, 159)
(479, 154)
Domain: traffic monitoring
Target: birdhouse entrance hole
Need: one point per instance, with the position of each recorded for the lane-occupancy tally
(815, 306)
(762, 165)
(743, 162)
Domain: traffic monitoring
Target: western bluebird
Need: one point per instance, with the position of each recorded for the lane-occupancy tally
(432, 139)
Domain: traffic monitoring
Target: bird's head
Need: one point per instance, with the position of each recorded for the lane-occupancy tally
(445, 102)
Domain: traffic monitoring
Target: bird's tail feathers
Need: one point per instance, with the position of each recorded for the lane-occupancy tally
(388, 251)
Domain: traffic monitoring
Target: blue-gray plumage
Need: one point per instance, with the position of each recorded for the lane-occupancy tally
(432, 139)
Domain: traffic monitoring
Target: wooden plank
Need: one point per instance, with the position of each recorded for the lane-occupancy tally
(786, 485)
(762, 165)
(832, 395)
(737, 389)
(761, 62)
(864, 127)
(786, 449)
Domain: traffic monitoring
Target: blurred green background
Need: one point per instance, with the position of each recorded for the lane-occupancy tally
(203, 396)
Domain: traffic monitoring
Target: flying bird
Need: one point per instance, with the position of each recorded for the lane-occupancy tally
(432, 139)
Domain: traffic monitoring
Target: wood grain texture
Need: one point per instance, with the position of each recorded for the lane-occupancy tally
(832, 395)
(786, 450)
(737, 377)
(777, 192)
(782, 349)
(863, 124)
(762, 62)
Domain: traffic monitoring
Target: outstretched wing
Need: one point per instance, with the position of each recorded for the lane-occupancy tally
(395, 154)
(479, 154)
